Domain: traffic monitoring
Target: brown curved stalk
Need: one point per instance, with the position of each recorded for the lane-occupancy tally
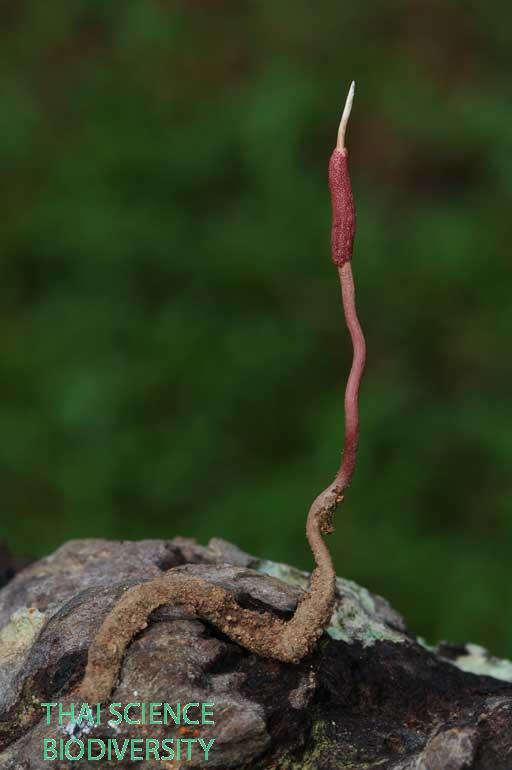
(261, 633)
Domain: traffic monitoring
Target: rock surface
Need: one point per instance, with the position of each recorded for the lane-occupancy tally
(371, 696)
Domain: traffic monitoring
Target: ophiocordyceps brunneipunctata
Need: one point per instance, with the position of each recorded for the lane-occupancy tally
(259, 632)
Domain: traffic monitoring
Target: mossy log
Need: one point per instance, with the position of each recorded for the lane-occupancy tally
(372, 695)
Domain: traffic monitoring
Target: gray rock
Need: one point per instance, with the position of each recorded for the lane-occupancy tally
(371, 695)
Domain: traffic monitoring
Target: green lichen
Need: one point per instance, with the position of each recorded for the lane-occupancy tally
(320, 745)
(475, 660)
(284, 572)
(356, 616)
(17, 636)
(324, 751)
(478, 660)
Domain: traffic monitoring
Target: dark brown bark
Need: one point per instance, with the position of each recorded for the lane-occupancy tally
(370, 696)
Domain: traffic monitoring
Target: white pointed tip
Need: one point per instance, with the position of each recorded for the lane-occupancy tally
(340, 144)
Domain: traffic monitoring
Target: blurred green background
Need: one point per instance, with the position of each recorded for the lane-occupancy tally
(173, 354)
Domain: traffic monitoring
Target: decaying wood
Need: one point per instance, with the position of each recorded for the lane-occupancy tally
(370, 695)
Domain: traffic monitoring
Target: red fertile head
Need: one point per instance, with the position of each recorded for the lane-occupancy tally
(343, 209)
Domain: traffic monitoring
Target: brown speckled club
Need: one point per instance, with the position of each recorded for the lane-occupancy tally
(259, 632)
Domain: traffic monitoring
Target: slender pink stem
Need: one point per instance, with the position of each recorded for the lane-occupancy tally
(346, 471)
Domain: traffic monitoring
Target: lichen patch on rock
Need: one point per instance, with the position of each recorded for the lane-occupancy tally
(357, 616)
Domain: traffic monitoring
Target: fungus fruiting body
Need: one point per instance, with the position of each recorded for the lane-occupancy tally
(259, 632)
